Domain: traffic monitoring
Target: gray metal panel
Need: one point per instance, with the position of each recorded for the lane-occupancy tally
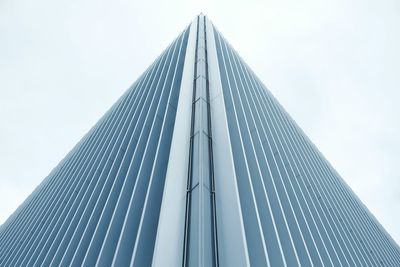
(169, 242)
(118, 198)
(200, 240)
(231, 237)
(88, 207)
(307, 215)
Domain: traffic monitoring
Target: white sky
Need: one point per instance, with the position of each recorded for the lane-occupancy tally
(333, 64)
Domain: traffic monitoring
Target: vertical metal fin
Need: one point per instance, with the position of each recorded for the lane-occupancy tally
(200, 238)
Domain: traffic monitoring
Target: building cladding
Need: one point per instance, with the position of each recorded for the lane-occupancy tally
(197, 164)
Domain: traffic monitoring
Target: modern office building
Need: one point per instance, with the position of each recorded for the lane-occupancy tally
(197, 164)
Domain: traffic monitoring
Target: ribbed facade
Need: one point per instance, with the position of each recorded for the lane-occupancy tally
(101, 203)
(296, 209)
(197, 164)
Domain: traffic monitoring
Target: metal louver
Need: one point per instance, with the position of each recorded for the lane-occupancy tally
(197, 164)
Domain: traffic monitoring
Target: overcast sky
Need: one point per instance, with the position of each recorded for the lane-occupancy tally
(333, 64)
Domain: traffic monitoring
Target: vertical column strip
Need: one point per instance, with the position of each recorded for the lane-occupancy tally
(200, 232)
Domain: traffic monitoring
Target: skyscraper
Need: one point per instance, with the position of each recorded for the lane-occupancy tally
(197, 164)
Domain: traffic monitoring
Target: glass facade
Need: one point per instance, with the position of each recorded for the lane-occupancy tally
(297, 211)
(101, 203)
(197, 164)
(200, 243)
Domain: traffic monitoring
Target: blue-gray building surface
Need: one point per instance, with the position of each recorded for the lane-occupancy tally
(197, 164)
